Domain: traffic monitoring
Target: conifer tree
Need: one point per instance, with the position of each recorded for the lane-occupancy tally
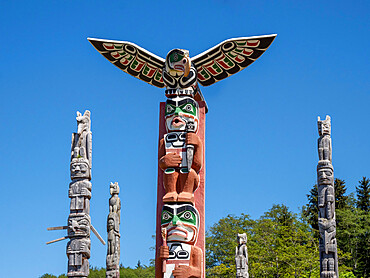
(341, 200)
(363, 194)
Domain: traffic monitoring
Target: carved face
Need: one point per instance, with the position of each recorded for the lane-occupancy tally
(114, 188)
(181, 111)
(110, 224)
(178, 62)
(80, 169)
(242, 238)
(79, 225)
(325, 176)
(324, 126)
(181, 222)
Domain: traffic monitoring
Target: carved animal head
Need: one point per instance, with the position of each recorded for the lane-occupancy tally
(178, 62)
(242, 238)
(181, 222)
(324, 126)
(180, 111)
(83, 122)
(79, 225)
(114, 188)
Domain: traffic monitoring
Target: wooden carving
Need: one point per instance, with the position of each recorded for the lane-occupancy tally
(326, 203)
(181, 188)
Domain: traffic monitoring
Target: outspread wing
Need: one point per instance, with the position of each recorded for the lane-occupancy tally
(229, 57)
(132, 59)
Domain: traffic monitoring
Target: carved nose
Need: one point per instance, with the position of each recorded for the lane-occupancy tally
(175, 219)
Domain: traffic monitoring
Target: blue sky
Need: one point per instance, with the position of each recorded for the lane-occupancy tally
(261, 128)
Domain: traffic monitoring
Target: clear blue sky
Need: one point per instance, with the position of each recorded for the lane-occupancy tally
(261, 127)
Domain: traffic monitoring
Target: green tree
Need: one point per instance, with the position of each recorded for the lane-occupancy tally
(47, 275)
(310, 211)
(363, 204)
(221, 243)
(279, 245)
(341, 200)
(363, 194)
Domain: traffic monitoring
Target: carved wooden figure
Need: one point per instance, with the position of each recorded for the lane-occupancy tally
(79, 222)
(181, 177)
(113, 221)
(326, 203)
(241, 257)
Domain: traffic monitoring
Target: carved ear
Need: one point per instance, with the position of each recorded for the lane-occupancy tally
(87, 113)
(78, 114)
(327, 118)
(318, 118)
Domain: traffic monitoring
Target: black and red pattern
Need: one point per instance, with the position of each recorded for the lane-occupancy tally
(132, 59)
(209, 67)
(229, 57)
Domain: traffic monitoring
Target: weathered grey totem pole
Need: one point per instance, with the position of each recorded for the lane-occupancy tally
(241, 257)
(326, 202)
(113, 221)
(79, 222)
(180, 239)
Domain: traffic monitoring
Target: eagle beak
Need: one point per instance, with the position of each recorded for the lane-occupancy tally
(187, 67)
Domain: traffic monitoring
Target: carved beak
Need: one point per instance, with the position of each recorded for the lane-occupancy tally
(187, 67)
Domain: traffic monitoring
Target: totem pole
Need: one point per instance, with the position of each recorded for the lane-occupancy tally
(180, 240)
(113, 221)
(326, 202)
(79, 222)
(241, 257)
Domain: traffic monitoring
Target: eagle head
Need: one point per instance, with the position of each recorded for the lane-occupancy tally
(178, 62)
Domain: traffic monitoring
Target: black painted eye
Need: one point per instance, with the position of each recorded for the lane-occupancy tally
(169, 109)
(165, 216)
(188, 108)
(187, 215)
(184, 61)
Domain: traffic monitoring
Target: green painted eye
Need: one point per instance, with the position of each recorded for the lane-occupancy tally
(188, 108)
(169, 109)
(176, 57)
(166, 217)
(188, 217)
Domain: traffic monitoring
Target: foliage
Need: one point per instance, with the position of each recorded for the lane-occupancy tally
(341, 200)
(363, 195)
(279, 245)
(353, 226)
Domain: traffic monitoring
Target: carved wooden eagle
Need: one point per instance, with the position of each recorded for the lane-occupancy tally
(179, 73)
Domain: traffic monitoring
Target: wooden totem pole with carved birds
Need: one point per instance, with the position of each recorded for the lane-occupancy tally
(180, 233)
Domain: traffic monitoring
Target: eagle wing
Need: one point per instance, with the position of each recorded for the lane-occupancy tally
(229, 57)
(132, 59)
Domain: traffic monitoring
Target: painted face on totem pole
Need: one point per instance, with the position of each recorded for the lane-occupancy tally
(79, 225)
(79, 169)
(181, 223)
(325, 175)
(178, 62)
(324, 126)
(179, 112)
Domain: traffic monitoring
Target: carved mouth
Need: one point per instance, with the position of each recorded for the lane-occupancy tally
(177, 122)
(179, 67)
(178, 231)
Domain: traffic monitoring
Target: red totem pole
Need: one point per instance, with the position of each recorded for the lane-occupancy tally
(180, 244)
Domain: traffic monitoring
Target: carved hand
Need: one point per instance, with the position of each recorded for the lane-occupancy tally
(170, 160)
(164, 252)
(183, 271)
(192, 139)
